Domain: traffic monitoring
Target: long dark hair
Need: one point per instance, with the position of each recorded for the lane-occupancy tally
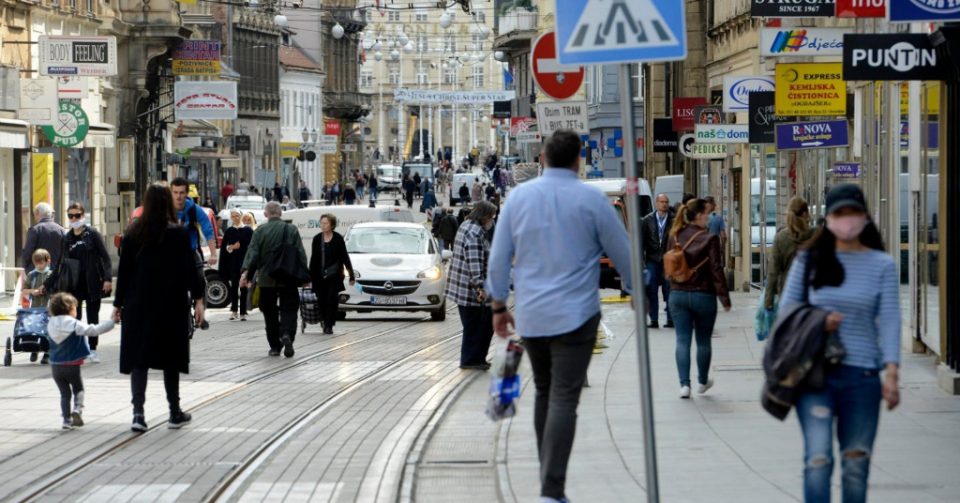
(824, 268)
(150, 228)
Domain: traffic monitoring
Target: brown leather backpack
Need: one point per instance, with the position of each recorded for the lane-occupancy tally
(675, 266)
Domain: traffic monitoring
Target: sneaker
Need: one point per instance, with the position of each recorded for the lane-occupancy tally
(273, 352)
(76, 419)
(287, 346)
(139, 424)
(704, 387)
(67, 425)
(45, 360)
(653, 325)
(668, 324)
(233, 316)
(243, 317)
(94, 357)
(33, 357)
(684, 391)
(178, 419)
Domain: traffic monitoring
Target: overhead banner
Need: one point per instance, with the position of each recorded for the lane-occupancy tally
(763, 118)
(205, 100)
(683, 110)
(861, 8)
(562, 115)
(197, 57)
(801, 42)
(721, 133)
(452, 97)
(807, 135)
(900, 56)
(85, 56)
(664, 137)
(810, 89)
(39, 104)
(737, 89)
(792, 8)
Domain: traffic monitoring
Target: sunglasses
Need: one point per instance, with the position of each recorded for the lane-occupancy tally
(74, 216)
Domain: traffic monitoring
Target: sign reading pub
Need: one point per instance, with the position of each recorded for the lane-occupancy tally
(792, 8)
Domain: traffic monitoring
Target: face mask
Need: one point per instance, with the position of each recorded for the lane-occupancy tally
(846, 228)
(78, 224)
(43, 270)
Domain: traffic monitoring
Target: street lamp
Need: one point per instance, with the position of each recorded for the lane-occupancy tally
(305, 135)
(337, 31)
(445, 20)
(314, 135)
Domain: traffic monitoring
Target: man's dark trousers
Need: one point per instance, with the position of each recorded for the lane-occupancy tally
(559, 371)
(657, 280)
(279, 319)
(477, 331)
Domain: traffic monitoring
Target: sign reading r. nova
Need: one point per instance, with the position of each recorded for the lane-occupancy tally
(805, 135)
(722, 133)
(70, 127)
(901, 56)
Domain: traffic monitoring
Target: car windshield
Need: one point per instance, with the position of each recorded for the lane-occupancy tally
(388, 241)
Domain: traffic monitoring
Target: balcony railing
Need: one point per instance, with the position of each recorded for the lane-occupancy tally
(518, 20)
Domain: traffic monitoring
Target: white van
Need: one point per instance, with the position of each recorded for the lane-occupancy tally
(672, 186)
(469, 178)
(389, 177)
(307, 220)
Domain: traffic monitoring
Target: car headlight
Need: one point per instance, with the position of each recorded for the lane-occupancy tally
(431, 273)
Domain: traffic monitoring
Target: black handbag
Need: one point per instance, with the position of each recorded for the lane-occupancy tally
(333, 270)
(289, 269)
(69, 274)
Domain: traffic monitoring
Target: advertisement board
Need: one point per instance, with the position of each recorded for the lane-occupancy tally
(810, 89)
(205, 100)
(900, 56)
(737, 89)
(682, 113)
(84, 56)
(801, 42)
(794, 8)
(721, 133)
(808, 135)
(197, 57)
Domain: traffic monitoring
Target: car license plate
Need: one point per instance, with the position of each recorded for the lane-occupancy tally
(388, 301)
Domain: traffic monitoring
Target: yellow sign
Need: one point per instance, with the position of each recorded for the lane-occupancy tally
(810, 89)
(187, 2)
(289, 149)
(194, 67)
(930, 89)
(42, 173)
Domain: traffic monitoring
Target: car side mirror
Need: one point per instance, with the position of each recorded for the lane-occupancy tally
(446, 255)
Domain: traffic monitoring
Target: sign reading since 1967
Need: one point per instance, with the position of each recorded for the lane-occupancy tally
(89, 56)
(792, 8)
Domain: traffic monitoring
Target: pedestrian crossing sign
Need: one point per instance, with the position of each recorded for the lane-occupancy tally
(620, 31)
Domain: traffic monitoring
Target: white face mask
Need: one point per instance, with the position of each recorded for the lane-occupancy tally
(847, 228)
(78, 224)
(43, 269)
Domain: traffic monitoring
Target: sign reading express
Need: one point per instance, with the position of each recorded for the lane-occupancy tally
(806, 89)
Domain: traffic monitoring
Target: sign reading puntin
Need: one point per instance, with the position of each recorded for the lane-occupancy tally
(890, 57)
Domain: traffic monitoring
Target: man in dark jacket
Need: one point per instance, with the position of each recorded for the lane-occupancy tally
(408, 188)
(45, 234)
(655, 232)
(448, 229)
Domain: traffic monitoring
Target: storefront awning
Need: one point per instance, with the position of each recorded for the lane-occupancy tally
(13, 134)
(100, 135)
(197, 128)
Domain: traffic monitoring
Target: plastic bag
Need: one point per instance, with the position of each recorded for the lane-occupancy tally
(505, 381)
(764, 318)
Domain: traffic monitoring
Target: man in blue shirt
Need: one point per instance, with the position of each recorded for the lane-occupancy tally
(551, 236)
(715, 223)
(191, 215)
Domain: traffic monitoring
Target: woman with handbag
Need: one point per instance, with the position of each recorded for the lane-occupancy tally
(233, 248)
(695, 289)
(85, 268)
(845, 271)
(327, 260)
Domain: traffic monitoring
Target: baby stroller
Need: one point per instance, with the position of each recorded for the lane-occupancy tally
(309, 309)
(29, 334)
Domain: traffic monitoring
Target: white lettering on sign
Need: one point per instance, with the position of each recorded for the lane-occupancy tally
(805, 129)
(902, 57)
(723, 133)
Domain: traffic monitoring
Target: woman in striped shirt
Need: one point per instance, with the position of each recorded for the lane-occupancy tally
(845, 271)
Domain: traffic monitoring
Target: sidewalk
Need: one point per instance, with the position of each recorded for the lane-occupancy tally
(716, 447)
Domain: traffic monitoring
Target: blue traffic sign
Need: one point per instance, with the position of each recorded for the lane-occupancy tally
(620, 31)
(909, 11)
(807, 135)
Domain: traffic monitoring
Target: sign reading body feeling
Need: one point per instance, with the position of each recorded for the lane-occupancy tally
(810, 89)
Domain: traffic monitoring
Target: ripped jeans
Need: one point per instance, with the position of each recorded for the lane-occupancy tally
(851, 396)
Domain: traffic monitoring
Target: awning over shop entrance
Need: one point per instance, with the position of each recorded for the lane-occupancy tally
(101, 135)
(13, 134)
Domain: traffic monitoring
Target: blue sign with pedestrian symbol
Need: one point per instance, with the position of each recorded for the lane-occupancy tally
(909, 11)
(620, 31)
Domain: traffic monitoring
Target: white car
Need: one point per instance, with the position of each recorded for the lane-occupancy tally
(398, 267)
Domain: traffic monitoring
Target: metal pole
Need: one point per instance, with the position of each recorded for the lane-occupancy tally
(636, 252)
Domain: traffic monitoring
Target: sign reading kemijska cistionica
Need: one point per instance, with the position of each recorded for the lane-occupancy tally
(70, 126)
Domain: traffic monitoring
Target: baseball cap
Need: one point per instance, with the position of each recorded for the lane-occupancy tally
(845, 195)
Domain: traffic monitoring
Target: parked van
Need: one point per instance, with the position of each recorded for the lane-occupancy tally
(672, 186)
(616, 189)
(460, 178)
(307, 220)
(389, 177)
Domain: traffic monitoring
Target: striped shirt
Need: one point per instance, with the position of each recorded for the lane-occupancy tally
(869, 300)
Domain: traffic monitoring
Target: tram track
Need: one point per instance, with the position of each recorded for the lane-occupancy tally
(41, 486)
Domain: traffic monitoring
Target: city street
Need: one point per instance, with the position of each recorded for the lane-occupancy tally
(381, 412)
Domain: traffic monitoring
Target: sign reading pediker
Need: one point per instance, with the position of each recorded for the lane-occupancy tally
(810, 89)
(197, 57)
(562, 115)
(205, 100)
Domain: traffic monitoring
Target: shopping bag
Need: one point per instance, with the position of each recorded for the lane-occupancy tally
(764, 318)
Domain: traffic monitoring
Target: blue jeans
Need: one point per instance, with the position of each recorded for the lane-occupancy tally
(693, 311)
(852, 397)
(657, 281)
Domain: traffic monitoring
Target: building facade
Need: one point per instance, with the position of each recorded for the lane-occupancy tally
(301, 114)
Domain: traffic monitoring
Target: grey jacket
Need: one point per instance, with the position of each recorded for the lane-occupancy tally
(46, 234)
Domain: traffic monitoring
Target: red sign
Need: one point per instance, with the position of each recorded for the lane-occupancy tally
(557, 81)
(331, 127)
(861, 8)
(521, 124)
(683, 109)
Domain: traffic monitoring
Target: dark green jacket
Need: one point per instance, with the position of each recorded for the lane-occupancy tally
(785, 246)
(265, 249)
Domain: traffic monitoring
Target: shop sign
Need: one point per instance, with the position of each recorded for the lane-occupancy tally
(72, 88)
(722, 133)
(805, 89)
(241, 143)
(808, 135)
(736, 90)
(792, 8)
(521, 125)
(65, 55)
(289, 149)
(709, 150)
(685, 145)
(529, 137)
(327, 143)
(39, 104)
(933, 135)
(664, 137)
(900, 56)
(331, 127)
(70, 127)
(205, 100)
(41, 178)
(708, 114)
(801, 42)
(197, 57)
(933, 11)
(683, 110)
(862, 8)
(846, 170)
(763, 118)
(562, 115)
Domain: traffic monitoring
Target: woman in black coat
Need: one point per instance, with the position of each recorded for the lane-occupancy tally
(155, 282)
(329, 252)
(95, 280)
(233, 248)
